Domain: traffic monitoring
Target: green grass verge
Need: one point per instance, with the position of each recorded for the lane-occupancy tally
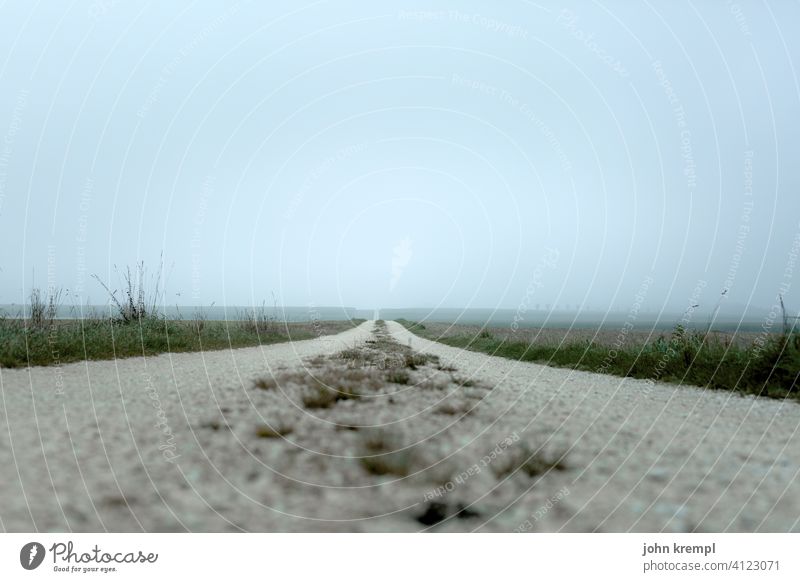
(770, 366)
(62, 341)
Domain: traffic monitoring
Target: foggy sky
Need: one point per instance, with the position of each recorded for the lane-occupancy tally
(392, 154)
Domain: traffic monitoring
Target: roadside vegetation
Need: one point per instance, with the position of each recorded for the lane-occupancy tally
(767, 365)
(135, 327)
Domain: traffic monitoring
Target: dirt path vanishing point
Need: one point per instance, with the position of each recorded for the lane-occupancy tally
(376, 429)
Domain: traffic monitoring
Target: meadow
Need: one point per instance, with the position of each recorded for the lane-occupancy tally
(38, 336)
(766, 364)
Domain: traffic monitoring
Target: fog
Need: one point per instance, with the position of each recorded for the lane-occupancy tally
(386, 155)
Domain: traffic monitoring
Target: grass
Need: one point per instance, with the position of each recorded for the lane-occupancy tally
(58, 342)
(351, 373)
(463, 382)
(455, 408)
(266, 431)
(134, 303)
(135, 326)
(527, 462)
(43, 311)
(767, 366)
(257, 320)
(398, 377)
(384, 353)
(326, 393)
(324, 387)
(384, 453)
(413, 361)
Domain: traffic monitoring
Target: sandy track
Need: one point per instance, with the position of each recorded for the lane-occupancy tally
(646, 457)
(101, 454)
(637, 457)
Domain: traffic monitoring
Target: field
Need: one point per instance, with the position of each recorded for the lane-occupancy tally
(766, 364)
(46, 342)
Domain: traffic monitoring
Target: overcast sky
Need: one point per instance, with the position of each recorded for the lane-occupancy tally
(389, 154)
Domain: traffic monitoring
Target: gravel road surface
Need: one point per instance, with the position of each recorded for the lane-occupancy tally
(458, 441)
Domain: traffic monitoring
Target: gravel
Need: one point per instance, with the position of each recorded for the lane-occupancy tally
(188, 442)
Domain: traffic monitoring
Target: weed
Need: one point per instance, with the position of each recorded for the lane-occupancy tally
(214, 425)
(464, 382)
(138, 303)
(266, 431)
(531, 463)
(266, 383)
(398, 377)
(200, 318)
(454, 408)
(351, 354)
(413, 361)
(316, 362)
(319, 397)
(256, 320)
(328, 388)
(43, 311)
(384, 453)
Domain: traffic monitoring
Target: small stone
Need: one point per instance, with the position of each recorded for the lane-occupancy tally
(434, 513)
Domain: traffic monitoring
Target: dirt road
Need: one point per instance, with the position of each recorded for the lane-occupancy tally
(379, 430)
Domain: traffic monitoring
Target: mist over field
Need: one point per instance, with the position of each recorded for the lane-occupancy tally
(373, 156)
